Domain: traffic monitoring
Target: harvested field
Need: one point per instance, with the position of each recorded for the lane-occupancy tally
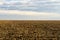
(29, 30)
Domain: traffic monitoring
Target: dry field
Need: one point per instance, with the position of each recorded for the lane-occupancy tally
(29, 30)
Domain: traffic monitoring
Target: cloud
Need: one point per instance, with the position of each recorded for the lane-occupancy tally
(31, 5)
(30, 13)
(26, 2)
(30, 9)
(1, 2)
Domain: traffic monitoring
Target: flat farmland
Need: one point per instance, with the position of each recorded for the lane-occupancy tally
(29, 30)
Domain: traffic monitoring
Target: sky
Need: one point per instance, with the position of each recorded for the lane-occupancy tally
(29, 9)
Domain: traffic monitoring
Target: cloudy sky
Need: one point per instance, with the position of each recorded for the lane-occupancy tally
(29, 9)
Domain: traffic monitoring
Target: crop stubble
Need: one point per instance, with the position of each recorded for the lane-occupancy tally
(29, 30)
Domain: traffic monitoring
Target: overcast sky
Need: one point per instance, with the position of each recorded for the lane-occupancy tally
(30, 9)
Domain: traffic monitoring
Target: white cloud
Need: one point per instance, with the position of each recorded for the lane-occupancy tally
(30, 13)
(1, 3)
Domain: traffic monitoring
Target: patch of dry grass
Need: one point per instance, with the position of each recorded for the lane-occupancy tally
(29, 30)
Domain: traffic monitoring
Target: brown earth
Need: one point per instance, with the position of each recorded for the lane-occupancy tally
(29, 30)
